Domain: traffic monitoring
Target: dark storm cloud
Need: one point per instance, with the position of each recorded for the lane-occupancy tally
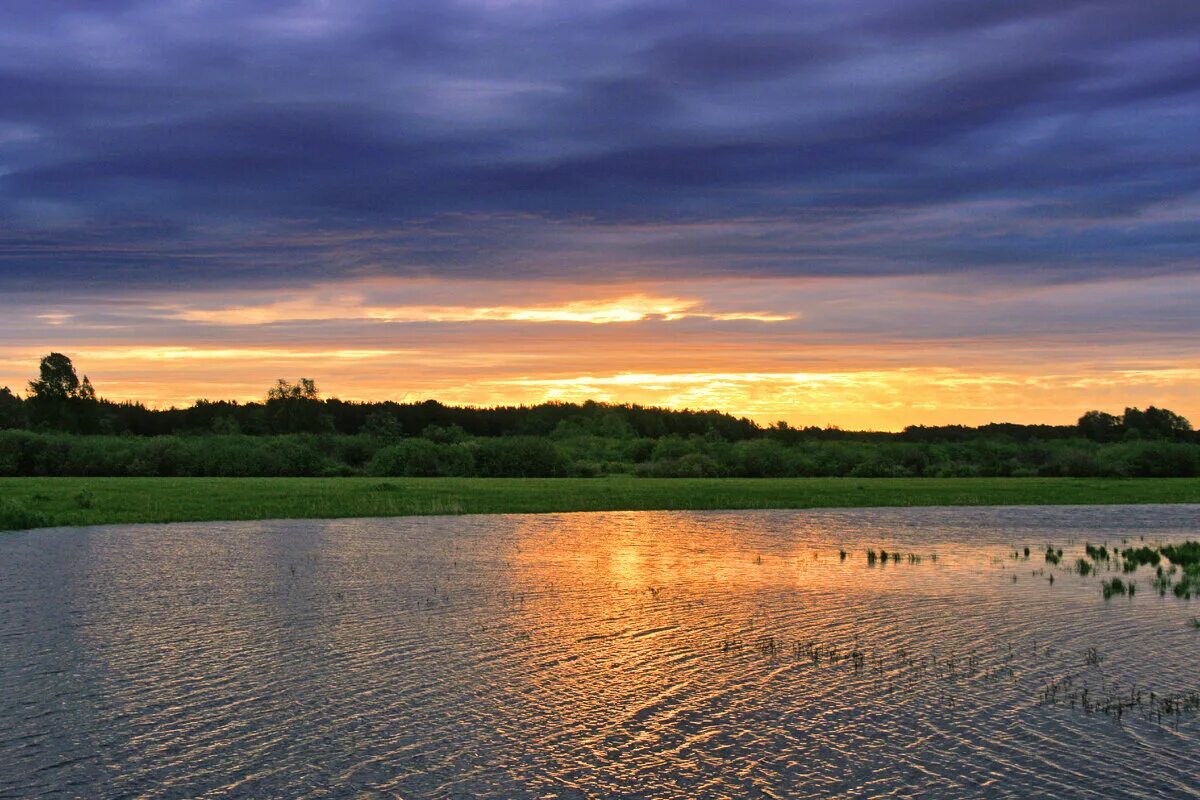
(709, 59)
(255, 143)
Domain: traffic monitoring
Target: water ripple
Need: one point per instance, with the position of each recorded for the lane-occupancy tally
(667, 655)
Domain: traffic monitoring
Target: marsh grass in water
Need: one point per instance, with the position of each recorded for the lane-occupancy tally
(948, 679)
(1106, 699)
(1141, 556)
(1115, 586)
(1186, 554)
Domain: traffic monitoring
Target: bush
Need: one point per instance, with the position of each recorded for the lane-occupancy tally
(585, 469)
(28, 453)
(16, 517)
(692, 465)
(762, 458)
(670, 448)
(1154, 459)
(16, 448)
(354, 451)
(421, 458)
(1074, 462)
(518, 457)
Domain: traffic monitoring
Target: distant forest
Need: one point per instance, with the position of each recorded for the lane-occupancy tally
(61, 427)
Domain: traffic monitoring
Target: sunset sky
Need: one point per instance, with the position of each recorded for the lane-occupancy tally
(865, 213)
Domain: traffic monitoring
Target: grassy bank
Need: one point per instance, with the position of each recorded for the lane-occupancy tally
(40, 502)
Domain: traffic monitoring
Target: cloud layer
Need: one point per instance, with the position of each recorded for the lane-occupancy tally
(806, 181)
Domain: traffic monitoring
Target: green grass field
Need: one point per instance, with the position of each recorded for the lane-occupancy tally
(42, 502)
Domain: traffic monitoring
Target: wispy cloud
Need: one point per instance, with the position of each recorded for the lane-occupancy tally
(632, 308)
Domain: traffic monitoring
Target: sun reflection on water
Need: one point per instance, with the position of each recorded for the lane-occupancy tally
(624, 654)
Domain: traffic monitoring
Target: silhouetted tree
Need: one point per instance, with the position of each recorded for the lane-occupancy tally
(303, 389)
(1099, 426)
(57, 379)
(382, 425)
(1155, 423)
(297, 408)
(12, 410)
(58, 399)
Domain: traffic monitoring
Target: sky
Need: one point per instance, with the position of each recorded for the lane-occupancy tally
(865, 214)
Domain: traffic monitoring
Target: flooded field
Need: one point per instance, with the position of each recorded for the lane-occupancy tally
(849, 653)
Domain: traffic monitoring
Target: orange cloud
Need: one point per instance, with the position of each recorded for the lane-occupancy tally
(628, 308)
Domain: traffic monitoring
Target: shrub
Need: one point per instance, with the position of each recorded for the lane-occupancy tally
(421, 458)
(762, 458)
(692, 465)
(16, 517)
(518, 457)
(1153, 459)
(585, 469)
(670, 448)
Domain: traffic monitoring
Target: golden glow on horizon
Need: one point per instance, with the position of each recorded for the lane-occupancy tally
(881, 399)
(876, 355)
(630, 308)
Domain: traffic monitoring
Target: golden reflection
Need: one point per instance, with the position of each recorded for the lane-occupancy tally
(632, 653)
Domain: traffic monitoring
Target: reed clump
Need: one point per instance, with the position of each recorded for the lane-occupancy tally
(1141, 556)
(1116, 586)
(1185, 554)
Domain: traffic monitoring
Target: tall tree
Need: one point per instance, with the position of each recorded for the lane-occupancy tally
(58, 399)
(1099, 426)
(57, 381)
(297, 408)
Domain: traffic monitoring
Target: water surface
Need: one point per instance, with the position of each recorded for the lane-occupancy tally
(643, 654)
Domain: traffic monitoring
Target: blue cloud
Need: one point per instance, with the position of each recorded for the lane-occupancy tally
(143, 143)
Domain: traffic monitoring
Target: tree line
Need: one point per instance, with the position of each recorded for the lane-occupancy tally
(62, 427)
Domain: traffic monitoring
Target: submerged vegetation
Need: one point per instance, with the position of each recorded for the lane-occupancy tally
(63, 428)
(886, 672)
(1116, 586)
(1181, 576)
(1140, 556)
